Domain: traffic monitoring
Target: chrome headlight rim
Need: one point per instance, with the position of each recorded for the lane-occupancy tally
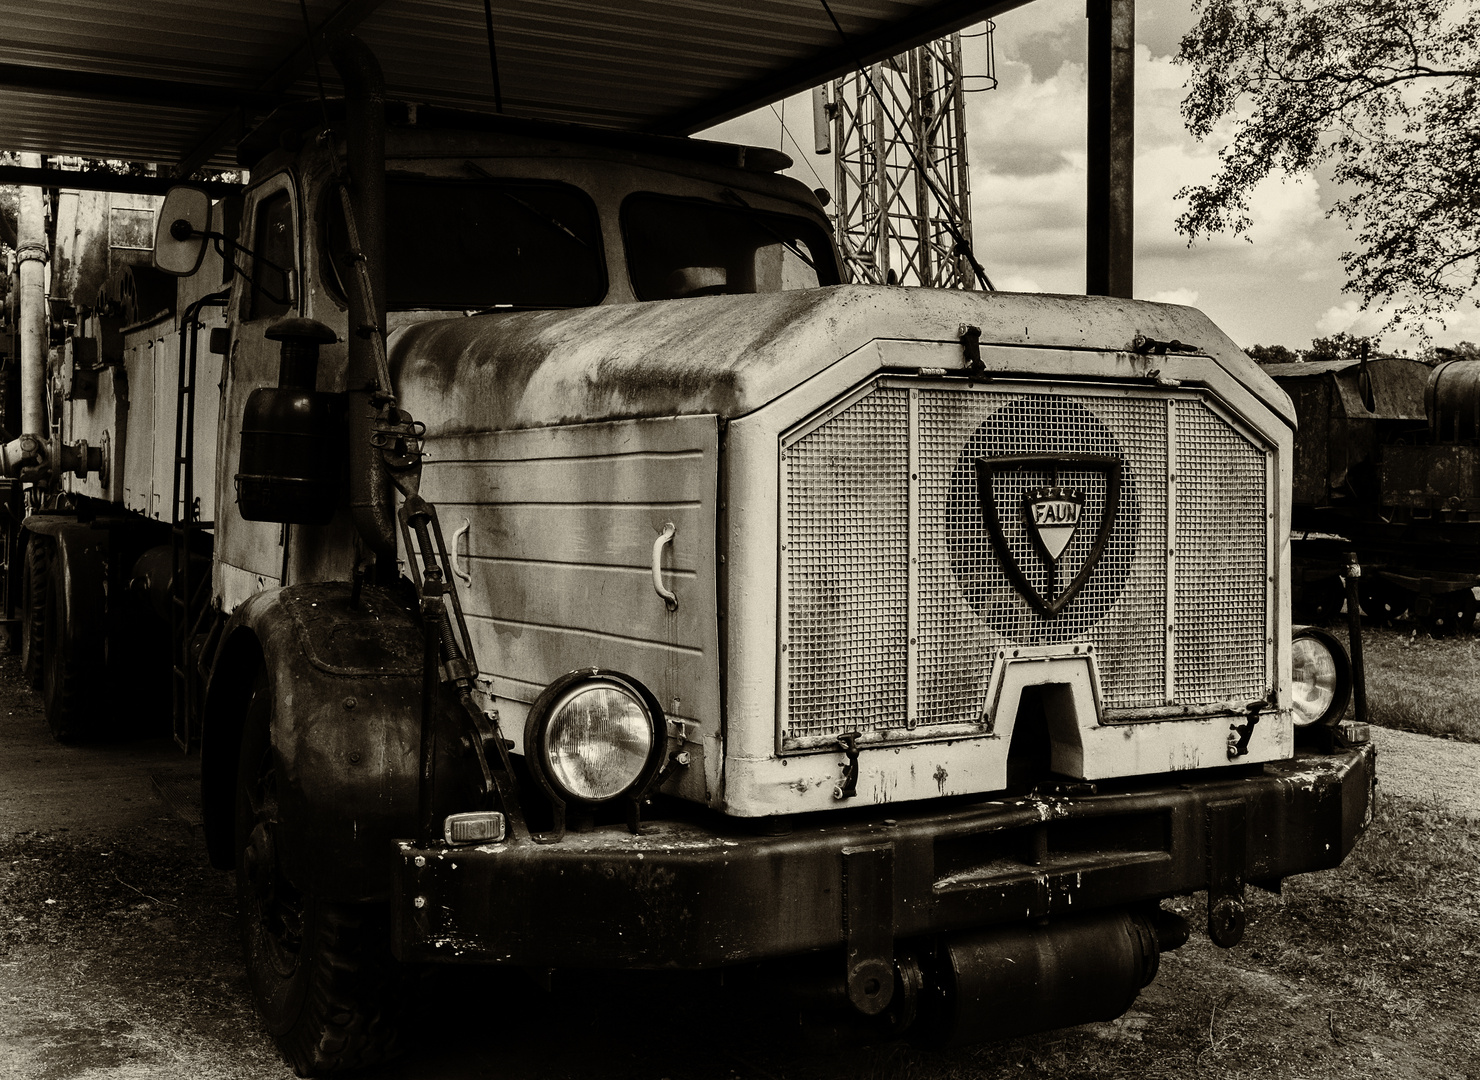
(1342, 670)
(564, 690)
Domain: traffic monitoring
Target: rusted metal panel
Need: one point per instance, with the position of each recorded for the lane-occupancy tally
(1313, 449)
(346, 725)
(1432, 478)
(684, 896)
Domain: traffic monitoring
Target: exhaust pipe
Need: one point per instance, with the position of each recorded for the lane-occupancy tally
(371, 499)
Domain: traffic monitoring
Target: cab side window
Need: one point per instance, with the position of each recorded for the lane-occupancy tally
(273, 250)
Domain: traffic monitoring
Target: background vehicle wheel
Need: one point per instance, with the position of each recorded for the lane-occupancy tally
(72, 651)
(321, 973)
(1450, 614)
(1382, 601)
(32, 611)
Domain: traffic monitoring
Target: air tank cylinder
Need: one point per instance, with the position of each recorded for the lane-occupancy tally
(292, 449)
(1452, 399)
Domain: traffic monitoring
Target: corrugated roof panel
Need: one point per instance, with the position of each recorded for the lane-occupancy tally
(159, 80)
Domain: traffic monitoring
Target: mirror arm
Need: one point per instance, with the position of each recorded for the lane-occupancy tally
(221, 240)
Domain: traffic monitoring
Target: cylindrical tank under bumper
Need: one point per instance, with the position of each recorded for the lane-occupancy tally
(1014, 980)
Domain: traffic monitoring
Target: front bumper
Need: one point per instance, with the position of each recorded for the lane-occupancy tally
(683, 896)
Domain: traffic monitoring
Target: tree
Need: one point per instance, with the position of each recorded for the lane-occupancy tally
(1342, 346)
(1464, 350)
(1384, 93)
(1271, 354)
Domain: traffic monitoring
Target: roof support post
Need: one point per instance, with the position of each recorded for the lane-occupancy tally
(1109, 231)
(31, 254)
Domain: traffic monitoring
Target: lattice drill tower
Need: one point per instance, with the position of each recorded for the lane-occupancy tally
(901, 216)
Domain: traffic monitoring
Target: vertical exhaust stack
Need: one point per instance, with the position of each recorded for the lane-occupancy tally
(31, 254)
(372, 502)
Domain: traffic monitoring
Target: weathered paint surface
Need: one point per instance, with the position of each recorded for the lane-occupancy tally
(730, 355)
(554, 529)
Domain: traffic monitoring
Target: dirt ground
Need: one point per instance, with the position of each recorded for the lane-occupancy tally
(119, 959)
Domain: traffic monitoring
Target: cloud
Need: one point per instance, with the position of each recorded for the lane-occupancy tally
(1348, 317)
(1016, 283)
(1187, 297)
(1026, 146)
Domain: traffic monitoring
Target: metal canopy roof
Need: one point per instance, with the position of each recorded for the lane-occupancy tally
(178, 82)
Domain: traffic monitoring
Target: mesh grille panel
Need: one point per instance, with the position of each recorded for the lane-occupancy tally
(969, 605)
(846, 555)
(1222, 582)
(847, 607)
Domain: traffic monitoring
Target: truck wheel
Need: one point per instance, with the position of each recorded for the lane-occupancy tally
(32, 611)
(321, 973)
(72, 650)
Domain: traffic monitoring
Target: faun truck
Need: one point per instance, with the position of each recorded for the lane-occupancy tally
(559, 566)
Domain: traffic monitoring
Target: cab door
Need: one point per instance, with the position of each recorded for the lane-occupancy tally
(250, 554)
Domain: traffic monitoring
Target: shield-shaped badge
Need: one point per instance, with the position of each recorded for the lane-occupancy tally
(1052, 515)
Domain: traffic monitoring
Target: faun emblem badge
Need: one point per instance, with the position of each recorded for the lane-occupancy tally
(1052, 514)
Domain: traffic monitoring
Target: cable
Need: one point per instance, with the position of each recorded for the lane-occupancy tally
(313, 55)
(498, 94)
(961, 242)
(805, 159)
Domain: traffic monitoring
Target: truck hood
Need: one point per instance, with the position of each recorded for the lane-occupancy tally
(730, 355)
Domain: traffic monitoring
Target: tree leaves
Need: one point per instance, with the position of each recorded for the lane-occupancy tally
(1385, 94)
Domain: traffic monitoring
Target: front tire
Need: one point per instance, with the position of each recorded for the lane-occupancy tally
(33, 607)
(321, 972)
(72, 656)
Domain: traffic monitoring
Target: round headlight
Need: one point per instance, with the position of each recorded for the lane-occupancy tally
(1321, 677)
(598, 742)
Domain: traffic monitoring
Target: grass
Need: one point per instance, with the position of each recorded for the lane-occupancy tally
(1423, 684)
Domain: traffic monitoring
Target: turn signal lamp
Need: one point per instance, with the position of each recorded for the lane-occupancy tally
(479, 827)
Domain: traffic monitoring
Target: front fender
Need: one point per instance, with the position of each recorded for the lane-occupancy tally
(346, 687)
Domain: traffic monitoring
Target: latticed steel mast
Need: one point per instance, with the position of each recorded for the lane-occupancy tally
(900, 216)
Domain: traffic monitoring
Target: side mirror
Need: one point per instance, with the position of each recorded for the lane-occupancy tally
(184, 227)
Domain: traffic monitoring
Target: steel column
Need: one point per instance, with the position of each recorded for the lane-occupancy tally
(1109, 239)
(31, 254)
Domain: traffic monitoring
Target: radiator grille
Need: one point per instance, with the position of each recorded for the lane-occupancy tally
(1220, 603)
(850, 603)
(845, 553)
(969, 606)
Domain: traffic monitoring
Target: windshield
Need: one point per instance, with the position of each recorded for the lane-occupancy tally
(692, 247)
(473, 244)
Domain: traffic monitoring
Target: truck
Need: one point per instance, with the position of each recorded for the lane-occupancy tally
(558, 565)
(1386, 465)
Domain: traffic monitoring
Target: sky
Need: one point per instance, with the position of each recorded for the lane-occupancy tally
(1026, 145)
